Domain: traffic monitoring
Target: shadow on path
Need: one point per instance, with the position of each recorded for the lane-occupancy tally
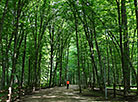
(56, 94)
(62, 94)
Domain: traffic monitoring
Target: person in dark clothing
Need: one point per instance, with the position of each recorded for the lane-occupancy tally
(67, 84)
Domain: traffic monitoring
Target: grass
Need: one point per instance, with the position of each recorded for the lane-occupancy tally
(100, 96)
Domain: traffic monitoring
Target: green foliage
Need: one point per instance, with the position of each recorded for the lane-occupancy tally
(38, 42)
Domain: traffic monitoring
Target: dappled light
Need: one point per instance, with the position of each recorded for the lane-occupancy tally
(55, 95)
(36, 97)
(61, 94)
(45, 96)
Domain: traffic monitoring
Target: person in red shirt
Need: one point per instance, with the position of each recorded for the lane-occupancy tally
(67, 84)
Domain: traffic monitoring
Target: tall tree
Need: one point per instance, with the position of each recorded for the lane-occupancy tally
(125, 54)
(136, 11)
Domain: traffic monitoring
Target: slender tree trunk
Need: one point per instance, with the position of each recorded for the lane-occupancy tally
(78, 51)
(91, 47)
(15, 43)
(36, 49)
(3, 69)
(113, 69)
(16, 49)
(54, 73)
(121, 38)
(7, 62)
(51, 32)
(60, 75)
(136, 11)
(23, 62)
(83, 62)
(39, 69)
(29, 71)
(66, 68)
(2, 19)
(126, 70)
(61, 56)
(108, 63)
(99, 56)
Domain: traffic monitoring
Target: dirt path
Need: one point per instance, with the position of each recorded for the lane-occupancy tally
(61, 94)
(57, 94)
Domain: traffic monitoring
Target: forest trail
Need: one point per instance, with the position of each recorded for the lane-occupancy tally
(57, 94)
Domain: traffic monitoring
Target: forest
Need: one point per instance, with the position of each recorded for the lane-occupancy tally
(91, 43)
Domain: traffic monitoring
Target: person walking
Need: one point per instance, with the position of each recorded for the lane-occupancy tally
(67, 84)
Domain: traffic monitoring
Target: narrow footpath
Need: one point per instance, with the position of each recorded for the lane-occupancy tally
(57, 94)
(62, 94)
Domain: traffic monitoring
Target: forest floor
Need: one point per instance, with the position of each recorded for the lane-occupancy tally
(61, 94)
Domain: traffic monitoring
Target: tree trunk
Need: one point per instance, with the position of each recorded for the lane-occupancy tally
(60, 75)
(61, 56)
(99, 56)
(66, 68)
(39, 69)
(36, 51)
(78, 51)
(56, 66)
(125, 67)
(108, 64)
(83, 62)
(23, 61)
(15, 43)
(29, 71)
(91, 47)
(1, 45)
(3, 68)
(136, 11)
(51, 58)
